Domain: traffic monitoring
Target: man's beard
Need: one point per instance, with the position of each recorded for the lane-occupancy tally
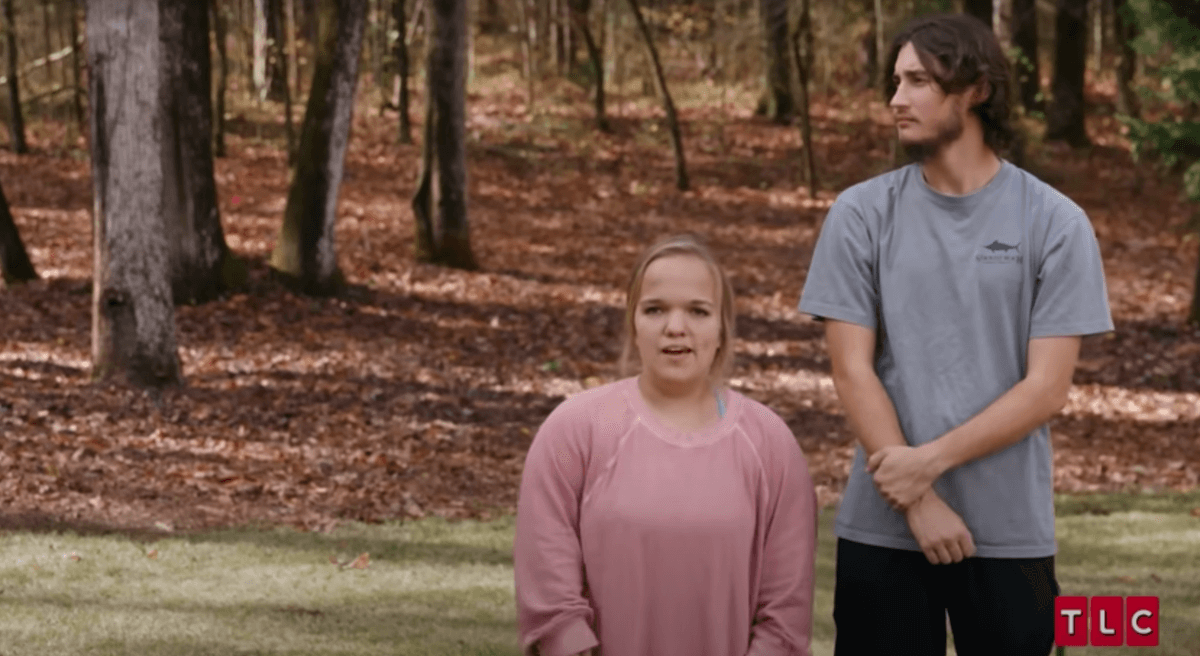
(947, 131)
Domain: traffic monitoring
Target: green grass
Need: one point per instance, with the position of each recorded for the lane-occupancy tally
(446, 589)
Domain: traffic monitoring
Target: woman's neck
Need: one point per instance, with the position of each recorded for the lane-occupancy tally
(685, 407)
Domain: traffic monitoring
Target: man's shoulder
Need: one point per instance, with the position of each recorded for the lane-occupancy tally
(1056, 203)
(875, 190)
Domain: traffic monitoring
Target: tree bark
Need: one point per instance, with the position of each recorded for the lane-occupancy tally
(1025, 38)
(400, 53)
(681, 176)
(305, 253)
(218, 133)
(780, 106)
(1126, 31)
(579, 13)
(802, 47)
(981, 9)
(881, 53)
(276, 59)
(1194, 313)
(1065, 121)
(259, 48)
(443, 230)
(202, 266)
(527, 52)
(14, 260)
(16, 121)
(133, 317)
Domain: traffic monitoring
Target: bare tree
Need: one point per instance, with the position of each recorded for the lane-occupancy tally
(133, 317)
(400, 54)
(305, 253)
(219, 31)
(1126, 31)
(1065, 120)
(780, 105)
(1025, 39)
(681, 176)
(442, 229)
(802, 47)
(579, 14)
(16, 122)
(14, 261)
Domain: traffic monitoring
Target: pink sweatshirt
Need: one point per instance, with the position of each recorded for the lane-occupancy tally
(647, 541)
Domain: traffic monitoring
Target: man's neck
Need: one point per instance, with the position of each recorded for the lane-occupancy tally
(961, 167)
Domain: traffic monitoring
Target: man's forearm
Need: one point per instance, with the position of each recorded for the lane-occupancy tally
(1006, 421)
(870, 411)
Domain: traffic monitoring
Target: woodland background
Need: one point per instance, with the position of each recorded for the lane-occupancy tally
(307, 261)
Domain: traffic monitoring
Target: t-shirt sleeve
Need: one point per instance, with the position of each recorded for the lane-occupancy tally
(784, 609)
(1070, 296)
(553, 616)
(841, 278)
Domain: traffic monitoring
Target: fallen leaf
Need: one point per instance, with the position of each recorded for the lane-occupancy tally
(152, 554)
(362, 562)
(333, 560)
(1156, 578)
(1126, 579)
(1196, 512)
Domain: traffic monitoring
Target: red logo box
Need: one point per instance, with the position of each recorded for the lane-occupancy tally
(1071, 621)
(1142, 615)
(1107, 618)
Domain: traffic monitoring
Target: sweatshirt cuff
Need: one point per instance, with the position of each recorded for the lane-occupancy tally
(573, 638)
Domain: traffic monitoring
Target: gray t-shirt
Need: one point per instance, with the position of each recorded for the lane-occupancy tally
(955, 287)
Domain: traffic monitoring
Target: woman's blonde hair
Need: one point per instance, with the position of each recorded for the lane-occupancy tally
(680, 245)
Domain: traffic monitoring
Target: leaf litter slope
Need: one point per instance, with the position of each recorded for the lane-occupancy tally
(418, 391)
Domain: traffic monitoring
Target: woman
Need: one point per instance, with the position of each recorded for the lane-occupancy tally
(664, 514)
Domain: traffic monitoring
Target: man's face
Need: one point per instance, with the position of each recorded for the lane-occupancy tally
(927, 118)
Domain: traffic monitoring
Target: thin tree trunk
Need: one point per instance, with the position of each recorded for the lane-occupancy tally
(259, 48)
(1025, 39)
(1065, 121)
(401, 55)
(201, 265)
(305, 253)
(1126, 32)
(780, 104)
(802, 49)
(16, 122)
(681, 176)
(1194, 313)
(446, 237)
(218, 135)
(47, 43)
(579, 12)
(881, 53)
(293, 57)
(133, 318)
(276, 61)
(526, 52)
(76, 66)
(15, 266)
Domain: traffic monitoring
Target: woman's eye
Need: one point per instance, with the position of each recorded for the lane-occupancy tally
(650, 310)
(700, 312)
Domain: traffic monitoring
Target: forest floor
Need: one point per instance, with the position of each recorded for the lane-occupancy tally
(418, 390)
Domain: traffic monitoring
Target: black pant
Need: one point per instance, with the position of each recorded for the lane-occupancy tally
(895, 602)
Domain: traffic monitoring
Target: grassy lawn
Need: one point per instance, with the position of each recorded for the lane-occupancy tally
(438, 588)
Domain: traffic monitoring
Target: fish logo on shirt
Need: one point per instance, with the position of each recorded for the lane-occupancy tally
(1001, 246)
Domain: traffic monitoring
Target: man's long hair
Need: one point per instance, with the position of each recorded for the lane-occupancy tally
(958, 50)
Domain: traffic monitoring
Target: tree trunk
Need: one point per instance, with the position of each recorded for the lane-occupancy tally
(16, 122)
(305, 253)
(1025, 39)
(527, 53)
(133, 318)
(400, 52)
(443, 231)
(259, 49)
(492, 21)
(280, 87)
(981, 9)
(76, 65)
(802, 48)
(15, 266)
(780, 104)
(1194, 313)
(47, 44)
(293, 58)
(579, 13)
(201, 265)
(218, 134)
(1126, 32)
(276, 61)
(681, 176)
(1065, 121)
(881, 53)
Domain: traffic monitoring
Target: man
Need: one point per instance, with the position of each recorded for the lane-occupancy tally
(954, 292)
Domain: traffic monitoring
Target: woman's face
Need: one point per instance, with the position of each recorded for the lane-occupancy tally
(677, 320)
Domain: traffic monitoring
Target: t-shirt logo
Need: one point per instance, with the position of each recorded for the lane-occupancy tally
(998, 251)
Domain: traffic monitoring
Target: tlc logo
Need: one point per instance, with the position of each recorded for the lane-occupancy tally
(1114, 621)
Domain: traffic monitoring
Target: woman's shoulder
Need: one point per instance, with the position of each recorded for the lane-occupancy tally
(601, 401)
(760, 422)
